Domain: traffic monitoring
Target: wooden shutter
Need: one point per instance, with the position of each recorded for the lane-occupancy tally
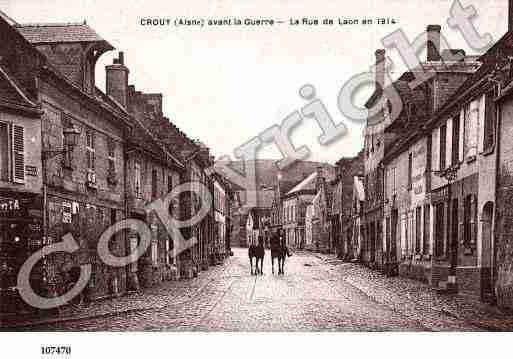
(18, 146)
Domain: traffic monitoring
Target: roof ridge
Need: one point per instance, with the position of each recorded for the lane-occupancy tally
(51, 24)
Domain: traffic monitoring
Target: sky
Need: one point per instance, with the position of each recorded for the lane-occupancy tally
(225, 85)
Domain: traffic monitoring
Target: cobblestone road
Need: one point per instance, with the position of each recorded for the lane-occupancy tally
(315, 294)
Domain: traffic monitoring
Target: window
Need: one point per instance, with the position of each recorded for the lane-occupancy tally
(412, 110)
(469, 221)
(489, 122)
(418, 229)
(66, 121)
(90, 150)
(111, 149)
(154, 253)
(137, 180)
(169, 183)
(427, 224)
(439, 229)
(410, 170)
(12, 153)
(471, 116)
(154, 180)
(466, 221)
(391, 180)
(4, 152)
(133, 239)
(442, 147)
(455, 153)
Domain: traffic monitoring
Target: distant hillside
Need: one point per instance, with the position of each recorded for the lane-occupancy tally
(267, 171)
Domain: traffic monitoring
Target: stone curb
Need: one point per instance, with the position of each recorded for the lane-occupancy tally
(28, 324)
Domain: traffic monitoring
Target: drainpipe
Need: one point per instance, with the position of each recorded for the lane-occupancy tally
(497, 177)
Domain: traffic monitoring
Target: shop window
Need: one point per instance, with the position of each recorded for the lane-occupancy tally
(137, 180)
(154, 254)
(469, 223)
(466, 220)
(427, 224)
(439, 229)
(418, 232)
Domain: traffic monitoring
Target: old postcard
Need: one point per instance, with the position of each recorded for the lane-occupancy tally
(240, 166)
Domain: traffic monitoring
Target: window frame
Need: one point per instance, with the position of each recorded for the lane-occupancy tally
(90, 149)
(442, 145)
(9, 156)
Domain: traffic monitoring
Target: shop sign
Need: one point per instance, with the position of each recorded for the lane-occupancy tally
(31, 171)
(440, 195)
(10, 207)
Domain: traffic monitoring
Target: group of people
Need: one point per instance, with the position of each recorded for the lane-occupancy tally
(279, 250)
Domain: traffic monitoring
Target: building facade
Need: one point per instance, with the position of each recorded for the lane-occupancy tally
(21, 182)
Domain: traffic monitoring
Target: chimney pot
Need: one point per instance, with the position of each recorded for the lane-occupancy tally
(121, 57)
(433, 42)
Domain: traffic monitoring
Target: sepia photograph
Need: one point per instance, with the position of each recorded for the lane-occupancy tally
(251, 170)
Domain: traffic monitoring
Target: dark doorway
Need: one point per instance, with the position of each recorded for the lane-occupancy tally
(453, 240)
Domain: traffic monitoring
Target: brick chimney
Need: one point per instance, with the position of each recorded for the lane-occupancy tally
(433, 42)
(319, 181)
(380, 68)
(117, 80)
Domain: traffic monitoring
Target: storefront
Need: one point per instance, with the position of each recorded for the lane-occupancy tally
(20, 236)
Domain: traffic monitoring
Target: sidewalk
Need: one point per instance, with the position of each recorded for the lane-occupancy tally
(411, 297)
(163, 295)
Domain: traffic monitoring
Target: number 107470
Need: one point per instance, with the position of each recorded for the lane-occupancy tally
(56, 350)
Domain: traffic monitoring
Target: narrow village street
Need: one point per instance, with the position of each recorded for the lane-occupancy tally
(316, 293)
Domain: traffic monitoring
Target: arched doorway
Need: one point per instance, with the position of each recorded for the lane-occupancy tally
(488, 274)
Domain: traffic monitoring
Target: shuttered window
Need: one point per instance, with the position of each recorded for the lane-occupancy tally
(489, 122)
(4, 152)
(18, 145)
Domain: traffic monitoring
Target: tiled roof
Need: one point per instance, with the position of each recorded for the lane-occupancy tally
(55, 33)
(286, 186)
(11, 92)
(417, 96)
(307, 183)
(501, 49)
